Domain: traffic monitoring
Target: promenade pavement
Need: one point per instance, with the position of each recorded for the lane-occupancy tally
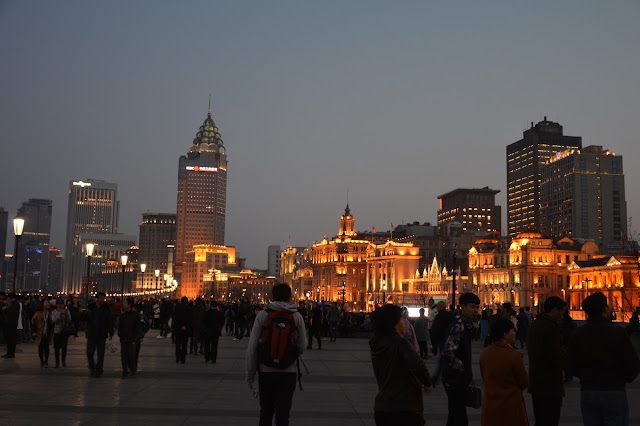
(339, 390)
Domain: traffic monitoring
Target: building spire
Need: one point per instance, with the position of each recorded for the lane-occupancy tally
(209, 104)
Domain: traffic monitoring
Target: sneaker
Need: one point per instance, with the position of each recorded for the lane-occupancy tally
(235, 338)
(159, 337)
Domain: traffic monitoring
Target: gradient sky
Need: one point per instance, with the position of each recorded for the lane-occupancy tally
(397, 101)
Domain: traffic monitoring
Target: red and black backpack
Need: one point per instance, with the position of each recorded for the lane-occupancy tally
(277, 345)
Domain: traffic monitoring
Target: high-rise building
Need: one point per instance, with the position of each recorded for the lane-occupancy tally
(54, 275)
(582, 196)
(93, 208)
(524, 160)
(157, 233)
(273, 261)
(33, 249)
(202, 190)
(474, 208)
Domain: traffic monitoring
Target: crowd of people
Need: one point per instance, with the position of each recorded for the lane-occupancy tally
(599, 353)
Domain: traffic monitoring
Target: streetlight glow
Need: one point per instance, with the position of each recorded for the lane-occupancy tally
(89, 249)
(143, 267)
(18, 226)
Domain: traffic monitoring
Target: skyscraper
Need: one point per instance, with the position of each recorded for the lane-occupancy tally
(202, 192)
(582, 196)
(93, 209)
(157, 232)
(273, 261)
(524, 159)
(33, 259)
(54, 275)
(474, 208)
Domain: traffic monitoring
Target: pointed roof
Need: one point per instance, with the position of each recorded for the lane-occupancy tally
(208, 137)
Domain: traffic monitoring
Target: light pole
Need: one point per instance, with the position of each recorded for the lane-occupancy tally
(123, 261)
(453, 284)
(143, 268)
(18, 227)
(157, 272)
(89, 250)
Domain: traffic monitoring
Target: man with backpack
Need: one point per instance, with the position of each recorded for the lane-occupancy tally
(277, 339)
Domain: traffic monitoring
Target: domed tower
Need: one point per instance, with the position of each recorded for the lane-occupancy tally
(202, 191)
(346, 224)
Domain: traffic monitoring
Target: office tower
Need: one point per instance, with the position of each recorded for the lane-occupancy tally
(524, 159)
(474, 208)
(93, 208)
(54, 274)
(157, 232)
(202, 189)
(33, 249)
(582, 196)
(273, 261)
(4, 217)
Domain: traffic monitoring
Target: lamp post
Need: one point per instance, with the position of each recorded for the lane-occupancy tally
(453, 282)
(157, 272)
(143, 268)
(123, 261)
(18, 227)
(89, 250)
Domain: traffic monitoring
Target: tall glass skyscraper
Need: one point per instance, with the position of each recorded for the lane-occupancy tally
(33, 259)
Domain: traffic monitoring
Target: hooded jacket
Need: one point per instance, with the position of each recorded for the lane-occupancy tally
(252, 349)
(400, 373)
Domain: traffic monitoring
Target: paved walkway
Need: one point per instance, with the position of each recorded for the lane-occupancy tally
(339, 391)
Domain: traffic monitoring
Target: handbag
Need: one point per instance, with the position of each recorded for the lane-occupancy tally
(473, 396)
(68, 329)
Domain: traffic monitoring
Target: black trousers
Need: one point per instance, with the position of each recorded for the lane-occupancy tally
(129, 356)
(43, 350)
(314, 331)
(546, 409)
(94, 346)
(457, 408)
(11, 337)
(424, 349)
(60, 341)
(182, 338)
(211, 348)
(276, 394)
(404, 418)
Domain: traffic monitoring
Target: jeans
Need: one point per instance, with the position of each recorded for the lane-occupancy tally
(312, 331)
(276, 394)
(604, 408)
(182, 338)
(43, 350)
(92, 347)
(11, 337)
(546, 409)
(333, 330)
(129, 356)
(424, 349)
(211, 348)
(457, 415)
(60, 342)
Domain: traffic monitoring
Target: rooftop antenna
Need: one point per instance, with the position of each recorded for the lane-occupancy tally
(209, 104)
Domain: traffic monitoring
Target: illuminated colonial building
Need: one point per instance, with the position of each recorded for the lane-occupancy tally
(525, 271)
(524, 160)
(198, 262)
(474, 208)
(583, 196)
(614, 276)
(296, 270)
(202, 192)
(234, 283)
(339, 265)
(436, 283)
(157, 236)
(390, 268)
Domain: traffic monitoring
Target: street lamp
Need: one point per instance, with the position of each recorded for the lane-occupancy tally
(89, 250)
(453, 285)
(157, 272)
(143, 267)
(18, 227)
(123, 261)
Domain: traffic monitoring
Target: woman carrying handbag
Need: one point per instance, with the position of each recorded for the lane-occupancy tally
(63, 328)
(43, 331)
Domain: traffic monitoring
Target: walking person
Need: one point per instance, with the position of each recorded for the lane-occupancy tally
(99, 327)
(315, 328)
(421, 329)
(277, 339)
(43, 331)
(523, 325)
(456, 359)
(333, 318)
(11, 311)
(213, 321)
(602, 356)
(181, 322)
(505, 377)
(62, 325)
(229, 319)
(409, 332)
(567, 327)
(401, 374)
(128, 332)
(197, 326)
(546, 361)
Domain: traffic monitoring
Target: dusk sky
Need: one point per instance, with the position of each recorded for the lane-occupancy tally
(398, 102)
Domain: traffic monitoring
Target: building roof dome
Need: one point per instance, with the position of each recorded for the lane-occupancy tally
(208, 138)
(528, 235)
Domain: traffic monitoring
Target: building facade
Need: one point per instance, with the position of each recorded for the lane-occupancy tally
(33, 249)
(526, 270)
(474, 208)
(582, 195)
(524, 161)
(200, 261)
(93, 208)
(202, 192)
(273, 261)
(55, 270)
(157, 236)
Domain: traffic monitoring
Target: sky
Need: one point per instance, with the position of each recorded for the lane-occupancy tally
(393, 103)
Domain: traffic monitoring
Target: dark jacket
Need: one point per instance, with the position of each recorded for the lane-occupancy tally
(601, 354)
(546, 357)
(197, 318)
(400, 373)
(456, 362)
(129, 327)
(213, 321)
(99, 323)
(181, 318)
(11, 315)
